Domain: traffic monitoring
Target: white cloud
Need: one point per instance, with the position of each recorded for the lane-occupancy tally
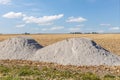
(53, 28)
(20, 25)
(46, 24)
(115, 28)
(105, 24)
(77, 19)
(45, 20)
(57, 28)
(42, 20)
(4, 2)
(13, 15)
(74, 29)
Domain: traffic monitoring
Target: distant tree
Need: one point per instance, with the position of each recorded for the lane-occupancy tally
(27, 33)
(94, 32)
(87, 33)
(75, 32)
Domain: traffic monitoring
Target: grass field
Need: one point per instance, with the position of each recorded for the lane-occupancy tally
(110, 42)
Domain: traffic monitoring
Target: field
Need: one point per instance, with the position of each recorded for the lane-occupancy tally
(27, 70)
(110, 42)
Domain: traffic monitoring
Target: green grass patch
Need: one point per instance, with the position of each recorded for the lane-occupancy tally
(90, 76)
(47, 73)
(10, 78)
(4, 69)
(109, 77)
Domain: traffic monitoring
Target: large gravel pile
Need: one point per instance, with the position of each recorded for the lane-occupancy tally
(76, 51)
(18, 48)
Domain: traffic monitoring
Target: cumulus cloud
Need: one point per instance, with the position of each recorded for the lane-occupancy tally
(115, 28)
(4, 2)
(76, 19)
(105, 24)
(13, 15)
(42, 20)
(20, 25)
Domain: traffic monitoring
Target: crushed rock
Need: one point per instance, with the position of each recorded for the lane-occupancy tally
(18, 48)
(76, 51)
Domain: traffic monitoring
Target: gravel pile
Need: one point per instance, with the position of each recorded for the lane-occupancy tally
(18, 48)
(76, 51)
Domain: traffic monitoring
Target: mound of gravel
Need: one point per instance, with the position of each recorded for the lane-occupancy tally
(18, 48)
(76, 51)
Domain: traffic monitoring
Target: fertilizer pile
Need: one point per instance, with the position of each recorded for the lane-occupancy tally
(74, 51)
(18, 48)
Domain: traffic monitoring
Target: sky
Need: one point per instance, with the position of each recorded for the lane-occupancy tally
(59, 16)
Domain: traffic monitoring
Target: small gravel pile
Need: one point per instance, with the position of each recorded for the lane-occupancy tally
(18, 48)
(76, 51)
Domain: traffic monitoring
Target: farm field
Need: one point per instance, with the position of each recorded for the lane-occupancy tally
(28, 70)
(110, 42)
(60, 40)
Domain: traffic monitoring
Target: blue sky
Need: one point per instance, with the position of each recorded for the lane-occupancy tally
(59, 16)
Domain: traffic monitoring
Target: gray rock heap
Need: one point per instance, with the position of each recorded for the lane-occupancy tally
(76, 51)
(18, 48)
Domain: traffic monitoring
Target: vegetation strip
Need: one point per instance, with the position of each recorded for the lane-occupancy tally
(28, 70)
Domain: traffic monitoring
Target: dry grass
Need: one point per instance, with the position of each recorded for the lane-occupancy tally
(29, 70)
(110, 42)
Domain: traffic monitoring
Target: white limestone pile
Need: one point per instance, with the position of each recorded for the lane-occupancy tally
(18, 48)
(76, 51)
